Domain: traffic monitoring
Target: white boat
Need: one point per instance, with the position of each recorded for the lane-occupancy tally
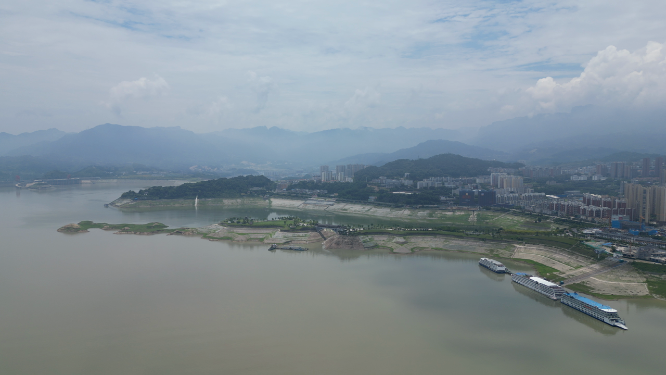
(545, 287)
(594, 309)
(493, 265)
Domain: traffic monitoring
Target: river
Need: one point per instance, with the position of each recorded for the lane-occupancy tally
(100, 303)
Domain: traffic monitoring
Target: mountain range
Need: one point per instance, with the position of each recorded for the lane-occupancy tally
(10, 142)
(587, 133)
(180, 148)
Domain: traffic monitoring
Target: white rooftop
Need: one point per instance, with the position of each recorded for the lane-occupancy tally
(542, 281)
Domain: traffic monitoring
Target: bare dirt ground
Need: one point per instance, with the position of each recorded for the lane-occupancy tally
(559, 260)
(344, 243)
(411, 244)
(254, 230)
(617, 288)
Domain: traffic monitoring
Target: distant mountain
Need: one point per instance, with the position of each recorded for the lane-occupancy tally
(115, 144)
(601, 147)
(27, 167)
(425, 150)
(111, 144)
(445, 165)
(9, 142)
(585, 127)
(261, 143)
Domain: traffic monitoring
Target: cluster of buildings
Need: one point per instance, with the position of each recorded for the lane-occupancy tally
(649, 253)
(648, 203)
(640, 203)
(342, 173)
(646, 168)
(591, 206)
(441, 182)
(393, 183)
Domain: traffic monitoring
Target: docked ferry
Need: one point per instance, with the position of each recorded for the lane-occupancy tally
(545, 287)
(594, 309)
(493, 265)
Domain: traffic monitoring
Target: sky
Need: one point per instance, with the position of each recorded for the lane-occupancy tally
(314, 65)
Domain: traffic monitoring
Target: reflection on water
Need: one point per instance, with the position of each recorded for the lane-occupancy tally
(589, 321)
(535, 296)
(595, 324)
(494, 276)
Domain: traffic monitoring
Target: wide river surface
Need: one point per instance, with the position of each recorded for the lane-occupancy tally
(100, 303)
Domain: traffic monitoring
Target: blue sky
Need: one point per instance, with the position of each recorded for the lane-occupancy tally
(307, 65)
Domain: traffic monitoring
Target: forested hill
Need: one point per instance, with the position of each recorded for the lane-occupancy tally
(220, 188)
(444, 165)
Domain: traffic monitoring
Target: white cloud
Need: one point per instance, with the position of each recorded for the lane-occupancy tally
(362, 100)
(261, 86)
(142, 88)
(613, 78)
(303, 57)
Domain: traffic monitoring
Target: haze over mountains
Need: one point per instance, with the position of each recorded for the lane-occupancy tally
(583, 134)
(9, 142)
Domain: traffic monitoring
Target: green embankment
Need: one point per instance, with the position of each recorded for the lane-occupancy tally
(234, 187)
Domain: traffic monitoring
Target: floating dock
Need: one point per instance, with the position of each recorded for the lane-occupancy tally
(294, 248)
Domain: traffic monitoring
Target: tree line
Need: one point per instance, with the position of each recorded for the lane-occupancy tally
(220, 188)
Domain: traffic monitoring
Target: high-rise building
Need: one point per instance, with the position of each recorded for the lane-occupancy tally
(349, 171)
(616, 170)
(511, 183)
(648, 203)
(602, 170)
(645, 170)
(658, 166)
(495, 178)
(487, 197)
(354, 168)
(466, 197)
(658, 200)
(325, 173)
(340, 172)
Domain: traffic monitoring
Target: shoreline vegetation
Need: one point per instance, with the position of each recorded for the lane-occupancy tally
(555, 259)
(548, 245)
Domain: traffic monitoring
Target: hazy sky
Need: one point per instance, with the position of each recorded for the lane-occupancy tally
(313, 65)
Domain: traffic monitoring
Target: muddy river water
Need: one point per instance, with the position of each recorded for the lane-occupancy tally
(100, 303)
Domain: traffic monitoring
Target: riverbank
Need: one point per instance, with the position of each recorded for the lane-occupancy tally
(129, 204)
(552, 263)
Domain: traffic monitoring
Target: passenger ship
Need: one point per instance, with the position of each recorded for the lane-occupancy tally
(493, 265)
(545, 287)
(594, 309)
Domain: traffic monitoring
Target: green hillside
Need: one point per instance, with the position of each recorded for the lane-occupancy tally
(219, 188)
(444, 165)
